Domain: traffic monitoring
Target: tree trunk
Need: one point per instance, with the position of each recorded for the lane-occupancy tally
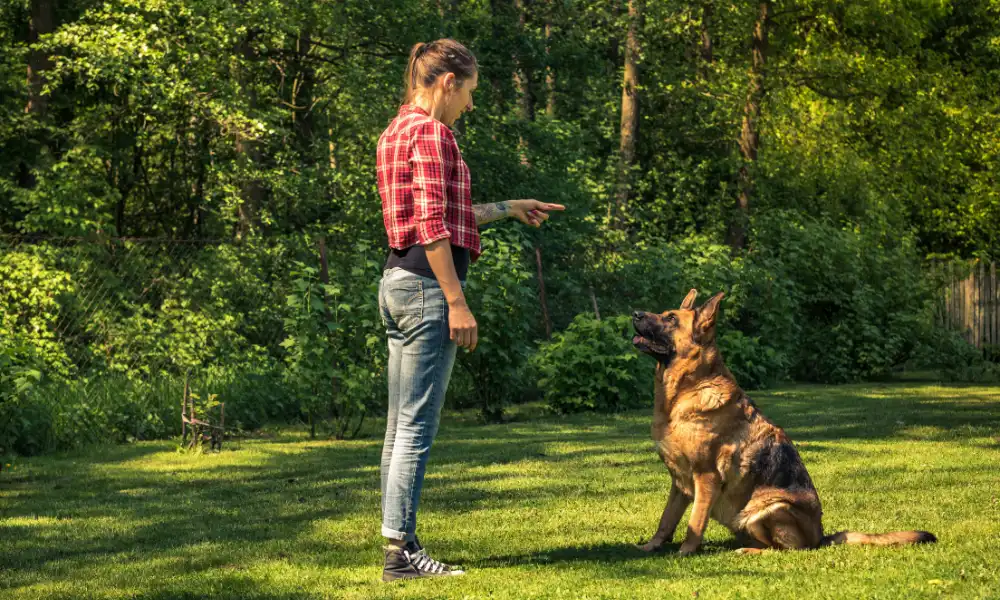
(43, 21)
(302, 91)
(522, 75)
(550, 74)
(749, 140)
(253, 195)
(707, 12)
(630, 112)
(496, 84)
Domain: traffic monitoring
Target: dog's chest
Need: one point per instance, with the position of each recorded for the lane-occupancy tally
(680, 446)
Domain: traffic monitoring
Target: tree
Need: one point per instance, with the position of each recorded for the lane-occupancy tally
(630, 111)
(749, 139)
(43, 21)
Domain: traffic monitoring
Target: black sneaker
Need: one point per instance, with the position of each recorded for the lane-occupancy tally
(412, 562)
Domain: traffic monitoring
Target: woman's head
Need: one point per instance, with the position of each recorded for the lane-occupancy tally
(442, 73)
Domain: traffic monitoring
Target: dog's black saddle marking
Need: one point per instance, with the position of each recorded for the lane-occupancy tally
(778, 464)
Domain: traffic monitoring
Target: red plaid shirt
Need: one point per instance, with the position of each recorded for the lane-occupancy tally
(425, 185)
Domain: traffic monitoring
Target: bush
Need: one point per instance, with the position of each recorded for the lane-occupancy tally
(592, 365)
(857, 296)
(16, 381)
(30, 311)
(335, 362)
(954, 357)
(757, 326)
(504, 303)
(752, 363)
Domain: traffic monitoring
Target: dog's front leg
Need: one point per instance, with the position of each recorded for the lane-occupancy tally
(706, 490)
(677, 503)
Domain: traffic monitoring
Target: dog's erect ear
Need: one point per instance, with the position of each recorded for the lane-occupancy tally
(688, 303)
(707, 313)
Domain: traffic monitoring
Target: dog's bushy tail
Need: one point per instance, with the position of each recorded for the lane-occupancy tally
(896, 538)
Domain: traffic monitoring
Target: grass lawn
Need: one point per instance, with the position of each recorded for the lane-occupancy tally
(542, 507)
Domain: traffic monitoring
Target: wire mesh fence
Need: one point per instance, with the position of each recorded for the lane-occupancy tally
(118, 331)
(140, 307)
(106, 337)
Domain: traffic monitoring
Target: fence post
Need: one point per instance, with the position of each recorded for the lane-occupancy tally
(990, 304)
(970, 302)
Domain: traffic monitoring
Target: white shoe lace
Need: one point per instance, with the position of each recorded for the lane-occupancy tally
(423, 562)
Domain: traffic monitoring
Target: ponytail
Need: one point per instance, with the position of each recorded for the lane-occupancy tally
(431, 60)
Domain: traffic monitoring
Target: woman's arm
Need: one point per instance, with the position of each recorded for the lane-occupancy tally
(462, 325)
(487, 213)
(529, 212)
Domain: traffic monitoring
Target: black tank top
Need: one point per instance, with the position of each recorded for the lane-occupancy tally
(414, 260)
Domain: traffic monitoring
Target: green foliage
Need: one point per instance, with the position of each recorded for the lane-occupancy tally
(256, 123)
(592, 365)
(335, 361)
(16, 381)
(505, 306)
(956, 358)
(30, 294)
(858, 296)
(754, 364)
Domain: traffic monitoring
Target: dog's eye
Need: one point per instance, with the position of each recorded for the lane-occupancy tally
(671, 319)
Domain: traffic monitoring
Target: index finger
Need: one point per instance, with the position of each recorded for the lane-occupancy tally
(547, 206)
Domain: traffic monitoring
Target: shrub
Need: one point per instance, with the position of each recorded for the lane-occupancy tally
(335, 361)
(504, 304)
(753, 363)
(30, 311)
(592, 365)
(857, 296)
(16, 381)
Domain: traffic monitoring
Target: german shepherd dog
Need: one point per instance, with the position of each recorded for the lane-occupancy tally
(724, 455)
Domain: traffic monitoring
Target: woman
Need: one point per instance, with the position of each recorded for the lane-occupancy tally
(433, 236)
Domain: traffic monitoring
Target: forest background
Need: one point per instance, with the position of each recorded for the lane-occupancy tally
(188, 199)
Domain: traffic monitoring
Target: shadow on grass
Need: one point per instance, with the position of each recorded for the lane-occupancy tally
(882, 412)
(603, 553)
(606, 554)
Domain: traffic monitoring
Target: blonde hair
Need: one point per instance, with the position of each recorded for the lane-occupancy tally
(432, 60)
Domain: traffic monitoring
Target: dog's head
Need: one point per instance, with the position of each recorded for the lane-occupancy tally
(677, 333)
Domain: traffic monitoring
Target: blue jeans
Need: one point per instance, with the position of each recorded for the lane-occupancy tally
(421, 356)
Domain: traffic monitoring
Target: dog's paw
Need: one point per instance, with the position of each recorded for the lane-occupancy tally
(688, 549)
(650, 546)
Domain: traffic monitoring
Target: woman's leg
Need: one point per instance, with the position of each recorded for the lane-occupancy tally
(418, 309)
(395, 339)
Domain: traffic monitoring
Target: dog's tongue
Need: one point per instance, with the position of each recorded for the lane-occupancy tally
(636, 339)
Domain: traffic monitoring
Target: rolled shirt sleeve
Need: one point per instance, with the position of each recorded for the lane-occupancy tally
(431, 161)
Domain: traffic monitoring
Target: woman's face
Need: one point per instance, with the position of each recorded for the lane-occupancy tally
(458, 98)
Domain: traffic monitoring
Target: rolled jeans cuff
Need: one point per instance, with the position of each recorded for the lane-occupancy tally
(392, 534)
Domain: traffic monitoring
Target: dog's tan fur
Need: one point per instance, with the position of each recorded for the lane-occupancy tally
(723, 455)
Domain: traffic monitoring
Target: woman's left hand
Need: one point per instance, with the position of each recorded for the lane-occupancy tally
(532, 212)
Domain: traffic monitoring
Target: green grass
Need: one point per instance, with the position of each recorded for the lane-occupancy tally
(542, 507)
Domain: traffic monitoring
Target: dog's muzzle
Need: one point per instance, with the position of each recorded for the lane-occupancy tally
(645, 340)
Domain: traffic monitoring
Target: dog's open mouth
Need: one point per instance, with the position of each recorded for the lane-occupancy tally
(650, 347)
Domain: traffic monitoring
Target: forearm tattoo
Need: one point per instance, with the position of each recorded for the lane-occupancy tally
(486, 213)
